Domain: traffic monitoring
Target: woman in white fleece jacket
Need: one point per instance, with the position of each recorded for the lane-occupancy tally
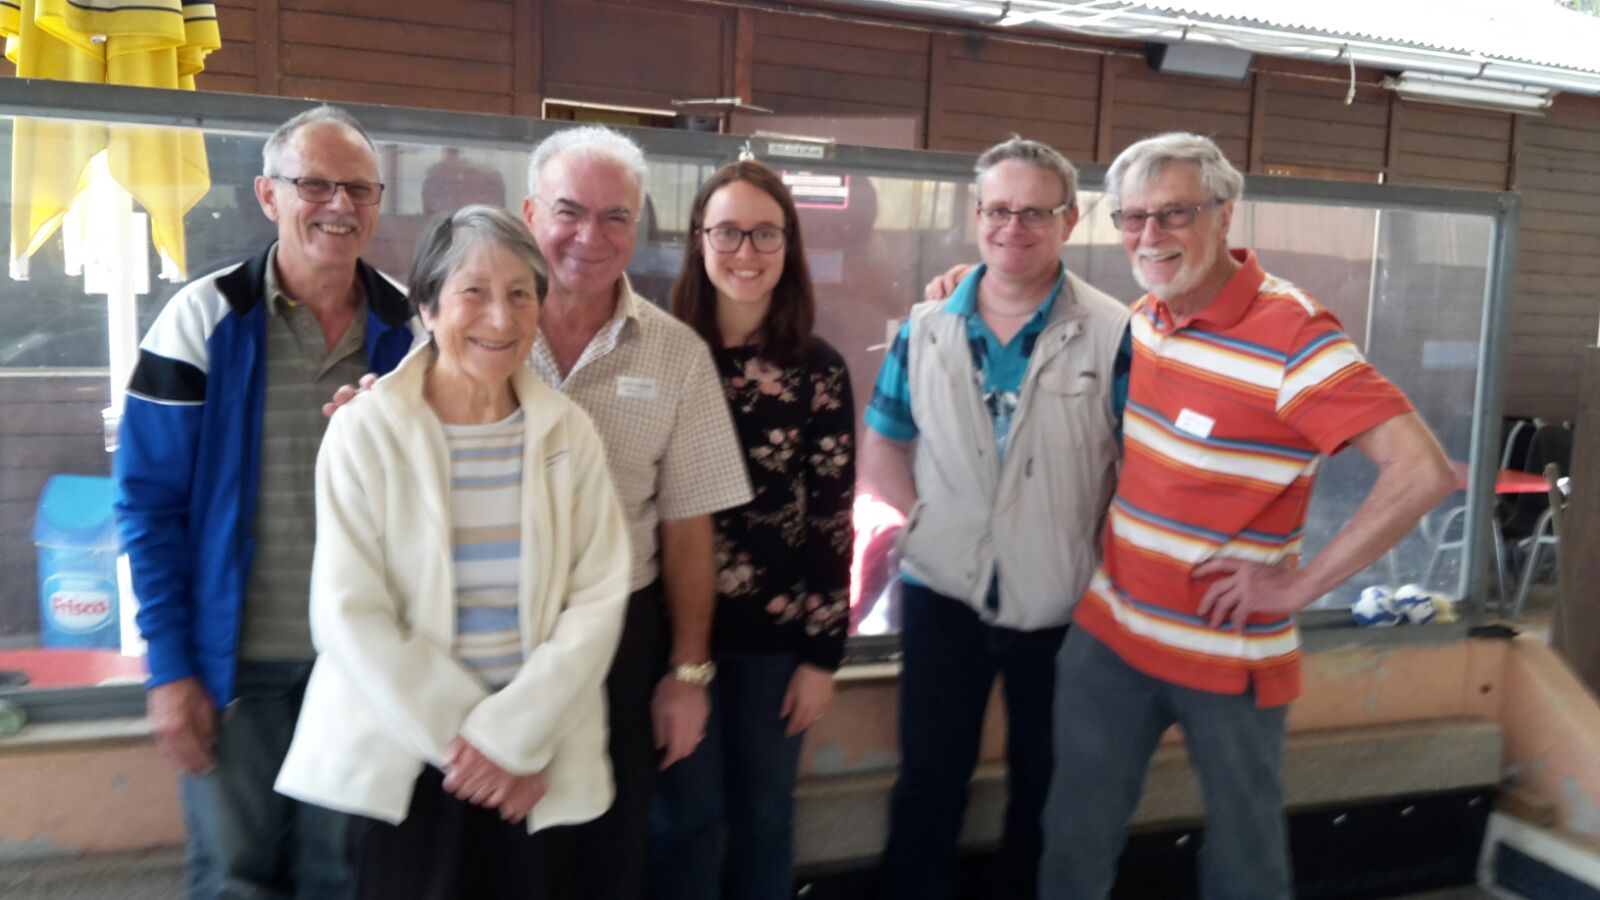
(467, 594)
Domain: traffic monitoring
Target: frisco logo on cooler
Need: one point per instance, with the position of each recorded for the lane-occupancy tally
(80, 610)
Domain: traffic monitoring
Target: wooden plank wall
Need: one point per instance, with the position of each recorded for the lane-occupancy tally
(960, 89)
(809, 66)
(982, 87)
(636, 54)
(1146, 103)
(1308, 127)
(455, 55)
(1577, 614)
(1557, 169)
(1442, 146)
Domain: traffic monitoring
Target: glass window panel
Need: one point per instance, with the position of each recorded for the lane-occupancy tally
(65, 615)
(1409, 287)
(1423, 327)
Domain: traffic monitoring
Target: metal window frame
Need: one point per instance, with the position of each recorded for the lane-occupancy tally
(259, 115)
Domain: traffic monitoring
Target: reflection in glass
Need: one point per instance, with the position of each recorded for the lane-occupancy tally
(1409, 287)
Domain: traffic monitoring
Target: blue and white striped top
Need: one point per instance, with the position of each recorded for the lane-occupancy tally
(486, 544)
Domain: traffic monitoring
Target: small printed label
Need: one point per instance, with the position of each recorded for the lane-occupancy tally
(798, 149)
(636, 388)
(1196, 424)
(80, 610)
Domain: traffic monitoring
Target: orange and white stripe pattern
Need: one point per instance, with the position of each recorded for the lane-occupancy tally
(1229, 415)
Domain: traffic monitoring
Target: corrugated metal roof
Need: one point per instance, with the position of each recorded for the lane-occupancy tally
(1514, 45)
(1532, 31)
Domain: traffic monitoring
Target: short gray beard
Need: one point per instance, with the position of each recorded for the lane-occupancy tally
(1189, 277)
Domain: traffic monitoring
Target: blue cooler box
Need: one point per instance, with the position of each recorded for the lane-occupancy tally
(77, 540)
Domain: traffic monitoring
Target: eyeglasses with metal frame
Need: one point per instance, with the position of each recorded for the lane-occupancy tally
(321, 190)
(1169, 219)
(728, 239)
(1031, 217)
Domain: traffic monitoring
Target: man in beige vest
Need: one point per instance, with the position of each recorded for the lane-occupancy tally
(994, 428)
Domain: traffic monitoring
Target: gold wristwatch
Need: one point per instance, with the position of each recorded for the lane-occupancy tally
(697, 674)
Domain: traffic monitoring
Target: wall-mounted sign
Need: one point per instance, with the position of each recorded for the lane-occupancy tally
(818, 191)
(798, 149)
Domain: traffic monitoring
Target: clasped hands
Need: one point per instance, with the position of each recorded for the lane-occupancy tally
(473, 777)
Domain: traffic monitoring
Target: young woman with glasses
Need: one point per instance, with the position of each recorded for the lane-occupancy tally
(782, 560)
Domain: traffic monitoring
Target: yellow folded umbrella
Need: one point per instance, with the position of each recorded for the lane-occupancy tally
(145, 43)
(48, 157)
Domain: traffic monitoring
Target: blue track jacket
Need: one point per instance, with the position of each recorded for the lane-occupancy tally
(189, 458)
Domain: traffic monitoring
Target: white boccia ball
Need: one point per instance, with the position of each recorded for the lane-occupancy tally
(1414, 603)
(1375, 606)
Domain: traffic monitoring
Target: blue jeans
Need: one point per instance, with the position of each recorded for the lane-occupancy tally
(737, 787)
(1109, 719)
(950, 662)
(245, 841)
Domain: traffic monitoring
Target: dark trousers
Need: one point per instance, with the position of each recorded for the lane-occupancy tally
(734, 795)
(449, 849)
(950, 660)
(245, 840)
(612, 851)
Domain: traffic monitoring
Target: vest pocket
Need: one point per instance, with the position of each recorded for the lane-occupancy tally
(1069, 382)
(1067, 406)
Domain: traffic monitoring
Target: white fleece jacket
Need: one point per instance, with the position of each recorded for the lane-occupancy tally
(386, 696)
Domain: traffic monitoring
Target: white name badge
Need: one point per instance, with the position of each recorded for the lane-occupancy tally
(1196, 424)
(636, 388)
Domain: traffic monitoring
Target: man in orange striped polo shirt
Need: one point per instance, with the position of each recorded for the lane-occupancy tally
(1240, 383)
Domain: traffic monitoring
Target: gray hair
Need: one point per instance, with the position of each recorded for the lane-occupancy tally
(593, 141)
(1033, 153)
(449, 238)
(272, 153)
(1138, 165)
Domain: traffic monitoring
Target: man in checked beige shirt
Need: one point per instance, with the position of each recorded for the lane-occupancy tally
(649, 383)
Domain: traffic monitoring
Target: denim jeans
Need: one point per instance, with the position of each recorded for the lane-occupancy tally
(736, 789)
(950, 660)
(245, 841)
(1109, 718)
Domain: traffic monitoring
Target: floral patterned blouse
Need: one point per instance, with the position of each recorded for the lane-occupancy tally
(783, 559)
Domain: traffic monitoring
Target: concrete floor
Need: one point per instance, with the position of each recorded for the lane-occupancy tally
(158, 876)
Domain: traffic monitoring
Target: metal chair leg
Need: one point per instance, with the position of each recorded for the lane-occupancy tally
(1442, 542)
(1499, 539)
(1531, 570)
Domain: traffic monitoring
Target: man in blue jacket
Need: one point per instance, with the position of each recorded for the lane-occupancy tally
(215, 501)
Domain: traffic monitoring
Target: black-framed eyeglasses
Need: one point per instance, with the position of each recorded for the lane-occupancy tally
(570, 215)
(1169, 219)
(321, 190)
(1030, 217)
(763, 238)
